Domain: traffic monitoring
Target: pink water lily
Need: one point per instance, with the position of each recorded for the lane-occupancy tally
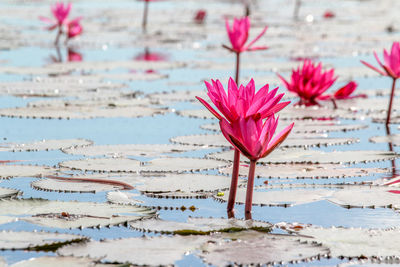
(391, 68)
(310, 82)
(241, 102)
(238, 35)
(74, 28)
(60, 12)
(254, 139)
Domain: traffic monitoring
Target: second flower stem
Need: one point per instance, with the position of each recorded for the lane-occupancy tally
(145, 11)
(237, 67)
(391, 102)
(234, 181)
(250, 185)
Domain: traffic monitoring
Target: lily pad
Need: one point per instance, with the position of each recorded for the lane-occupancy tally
(357, 242)
(283, 198)
(199, 226)
(300, 171)
(190, 182)
(314, 156)
(307, 126)
(130, 165)
(394, 139)
(59, 214)
(144, 150)
(218, 140)
(75, 185)
(8, 192)
(61, 262)
(367, 197)
(44, 145)
(138, 251)
(263, 250)
(175, 96)
(79, 112)
(9, 171)
(36, 240)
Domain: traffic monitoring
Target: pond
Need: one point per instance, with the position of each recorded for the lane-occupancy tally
(109, 159)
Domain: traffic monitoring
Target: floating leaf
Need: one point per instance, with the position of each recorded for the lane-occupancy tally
(77, 185)
(284, 198)
(72, 214)
(306, 126)
(8, 171)
(262, 250)
(199, 226)
(394, 139)
(8, 192)
(300, 171)
(36, 240)
(218, 140)
(367, 197)
(184, 183)
(144, 150)
(357, 242)
(131, 165)
(138, 251)
(174, 96)
(44, 145)
(123, 198)
(377, 104)
(318, 157)
(61, 262)
(80, 112)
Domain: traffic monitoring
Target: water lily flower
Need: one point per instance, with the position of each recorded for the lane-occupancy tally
(60, 12)
(309, 82)
(74, 28)
(200, 16)
(241, 102)
(391, 68)
(238, 35)
(253, 138)
(329, 14)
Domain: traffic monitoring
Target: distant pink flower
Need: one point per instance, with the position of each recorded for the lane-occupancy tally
(329, 14)
(200, 16)
(150, 56)
(60, 12)
(310, 82)
(391, 66)
(242, 101)
(254, 137)
(239, 33)
(74, 28)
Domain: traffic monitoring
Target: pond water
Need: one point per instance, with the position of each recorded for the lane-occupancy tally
(66, 119)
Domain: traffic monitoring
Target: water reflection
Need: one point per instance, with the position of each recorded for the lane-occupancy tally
(71, 55)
